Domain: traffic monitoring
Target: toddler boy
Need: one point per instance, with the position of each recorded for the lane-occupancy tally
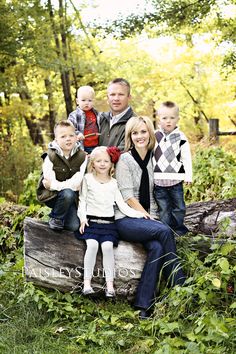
(173, 165)
(85, 119)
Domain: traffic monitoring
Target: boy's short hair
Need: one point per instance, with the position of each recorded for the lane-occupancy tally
(85, 88)
(121, 81)
(63, 123)
(169, 104)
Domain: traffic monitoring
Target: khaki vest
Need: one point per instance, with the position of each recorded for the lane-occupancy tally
(63, 168)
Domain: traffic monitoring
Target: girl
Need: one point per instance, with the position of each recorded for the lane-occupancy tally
(96, 213)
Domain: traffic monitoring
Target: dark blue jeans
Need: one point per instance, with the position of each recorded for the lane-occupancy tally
(171, 205)
(159, 242)
(64, 207)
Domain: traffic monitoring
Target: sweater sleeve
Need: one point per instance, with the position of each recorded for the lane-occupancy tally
(81, 212)
(124, 178)
(73, 118)
(125, 208)
(187, 161)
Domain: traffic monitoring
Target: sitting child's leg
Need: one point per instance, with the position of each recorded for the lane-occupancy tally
(61, 206)
(89, 263)
(108, 265)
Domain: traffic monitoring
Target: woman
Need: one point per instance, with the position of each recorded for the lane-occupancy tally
(134, 173)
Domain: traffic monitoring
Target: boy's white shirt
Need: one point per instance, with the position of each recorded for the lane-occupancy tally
(73, 183)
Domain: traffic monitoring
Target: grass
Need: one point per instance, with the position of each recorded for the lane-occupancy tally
(26, 329)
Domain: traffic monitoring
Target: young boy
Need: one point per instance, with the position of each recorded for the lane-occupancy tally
(173, 165)
(85, 119)
(63, 169)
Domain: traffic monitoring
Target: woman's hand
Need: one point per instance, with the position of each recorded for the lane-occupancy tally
(82, 226)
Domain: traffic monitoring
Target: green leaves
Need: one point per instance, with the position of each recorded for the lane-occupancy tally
(214, 172)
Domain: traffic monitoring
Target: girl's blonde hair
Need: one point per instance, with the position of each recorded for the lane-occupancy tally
(93, 156)
(133, 124)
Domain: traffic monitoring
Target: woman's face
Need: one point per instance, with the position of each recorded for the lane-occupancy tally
(140, 136)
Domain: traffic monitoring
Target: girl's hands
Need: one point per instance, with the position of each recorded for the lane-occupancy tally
(146, 215)
(82, 226)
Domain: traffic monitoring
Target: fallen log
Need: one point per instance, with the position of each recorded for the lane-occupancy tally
(55, 260)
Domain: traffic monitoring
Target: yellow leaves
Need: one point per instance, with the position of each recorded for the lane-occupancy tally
(216, 282)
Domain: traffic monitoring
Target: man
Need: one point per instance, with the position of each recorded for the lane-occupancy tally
(112, 124)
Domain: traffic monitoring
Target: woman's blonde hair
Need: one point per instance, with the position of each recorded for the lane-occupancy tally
(92, 157)
(133, 124)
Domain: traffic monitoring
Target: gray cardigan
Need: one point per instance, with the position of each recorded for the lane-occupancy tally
(128, 175)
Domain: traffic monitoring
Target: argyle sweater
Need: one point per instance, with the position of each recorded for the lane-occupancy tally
(172, 156)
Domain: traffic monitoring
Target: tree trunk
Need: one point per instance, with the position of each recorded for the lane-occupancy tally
(51, 105)
(32, 124)
(55, 260)
(61, 50)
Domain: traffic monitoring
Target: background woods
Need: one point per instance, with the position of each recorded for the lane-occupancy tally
(180, 50)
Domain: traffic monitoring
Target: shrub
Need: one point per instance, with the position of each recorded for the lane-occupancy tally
(214, 175)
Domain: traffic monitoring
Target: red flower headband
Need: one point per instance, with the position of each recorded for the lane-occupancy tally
(114, 153)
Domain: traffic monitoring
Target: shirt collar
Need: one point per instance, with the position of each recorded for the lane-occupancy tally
(120, 115)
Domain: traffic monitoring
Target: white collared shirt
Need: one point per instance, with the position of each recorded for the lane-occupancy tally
(114, 119)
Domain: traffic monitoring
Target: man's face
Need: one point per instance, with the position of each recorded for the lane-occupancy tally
(118, 98)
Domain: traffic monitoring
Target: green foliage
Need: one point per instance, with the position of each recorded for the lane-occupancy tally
(214, 174)
(19, 157)
(11, 227)
(28, 195)
(196, 318)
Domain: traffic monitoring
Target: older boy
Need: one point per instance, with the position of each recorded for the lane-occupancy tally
(85, 119)
(63, 169)
(173, 165)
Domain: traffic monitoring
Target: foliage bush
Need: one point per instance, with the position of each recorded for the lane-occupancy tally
(196, 318)
(214, 175)
(18, 158)
(28, 195)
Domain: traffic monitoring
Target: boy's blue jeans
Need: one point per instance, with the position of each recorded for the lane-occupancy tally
(171, 205)
(64, 207)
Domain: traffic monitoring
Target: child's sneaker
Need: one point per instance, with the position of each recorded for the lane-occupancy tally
(56, 224)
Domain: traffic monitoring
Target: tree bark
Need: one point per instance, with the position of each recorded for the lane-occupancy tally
(61, 50)
(51, 105)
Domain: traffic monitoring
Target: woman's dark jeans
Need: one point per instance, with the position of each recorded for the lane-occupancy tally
(159, 242)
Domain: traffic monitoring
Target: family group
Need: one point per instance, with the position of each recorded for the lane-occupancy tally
(110, 177)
